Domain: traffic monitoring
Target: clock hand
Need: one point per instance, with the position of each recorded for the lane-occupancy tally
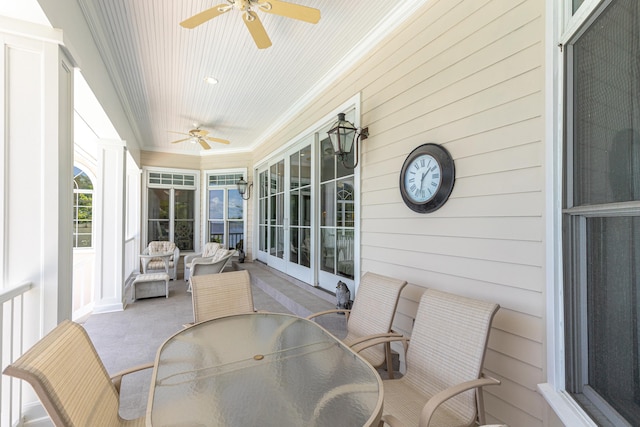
(422, 179)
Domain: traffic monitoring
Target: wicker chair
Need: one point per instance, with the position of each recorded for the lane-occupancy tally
(371, 315)
(208, 251)
(210, 265)
(222, 294)
(70, 380)
(155, 264)
(443, 382)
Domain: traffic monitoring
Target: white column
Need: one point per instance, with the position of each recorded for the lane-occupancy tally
(36, 171)
(109, 223)
(36, 180)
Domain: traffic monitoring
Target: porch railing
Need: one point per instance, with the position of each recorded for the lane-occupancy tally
(234, 238)
(12, 315)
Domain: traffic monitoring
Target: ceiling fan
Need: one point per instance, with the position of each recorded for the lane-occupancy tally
(200, 136)
(250, 17)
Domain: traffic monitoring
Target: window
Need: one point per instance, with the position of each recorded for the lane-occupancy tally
(225, 211)
(337, 206)
(171, 203)
(601, 215)
(82, 209)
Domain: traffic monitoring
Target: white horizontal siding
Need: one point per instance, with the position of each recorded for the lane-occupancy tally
(469, 76)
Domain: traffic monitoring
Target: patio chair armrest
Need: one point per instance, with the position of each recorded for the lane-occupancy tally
(391, 421)
(201, 260)
(116, 379)
(441, 397)
(190, 257)
(383, 339)
(337, 310)
(146, 258)
(375, 336)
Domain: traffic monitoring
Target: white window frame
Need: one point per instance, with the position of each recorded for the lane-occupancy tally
(89, 174)
(561, 26)
(145, 199)
(205, 197)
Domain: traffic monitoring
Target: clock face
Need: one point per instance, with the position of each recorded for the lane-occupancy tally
(423, 178)
(427, 178)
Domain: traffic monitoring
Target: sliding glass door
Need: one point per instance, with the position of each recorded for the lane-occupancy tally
(285, 211)
(300, 209)
(307, 213)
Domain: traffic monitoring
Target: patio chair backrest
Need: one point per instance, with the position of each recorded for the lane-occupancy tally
(161, 246)
(373, 310)
(221, 294)
(69, 378)
(210, 249)
(448, 345)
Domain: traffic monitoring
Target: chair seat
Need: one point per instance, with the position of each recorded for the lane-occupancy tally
(158, 265)
(405, 403)
(374, 355)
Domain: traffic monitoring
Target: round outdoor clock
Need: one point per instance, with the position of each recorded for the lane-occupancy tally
(427, 178)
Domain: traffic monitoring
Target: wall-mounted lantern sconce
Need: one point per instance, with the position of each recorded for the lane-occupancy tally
(244, 187)
(344, 135)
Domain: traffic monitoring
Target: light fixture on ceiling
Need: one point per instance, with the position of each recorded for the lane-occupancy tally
(211, 80)
(244, 188)
(344, 135)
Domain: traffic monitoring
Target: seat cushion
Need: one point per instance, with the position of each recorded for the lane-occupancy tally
(158, 264)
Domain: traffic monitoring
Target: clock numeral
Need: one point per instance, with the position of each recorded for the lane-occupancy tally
(436, 176)
(415, 165)
(434, 184)
(413, 187)
(422, 162)
(412, 180)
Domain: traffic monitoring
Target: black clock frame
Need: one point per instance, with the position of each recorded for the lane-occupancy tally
(447, 170)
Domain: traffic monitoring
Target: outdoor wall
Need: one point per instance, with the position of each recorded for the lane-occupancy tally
(469, 76)
(167, 160)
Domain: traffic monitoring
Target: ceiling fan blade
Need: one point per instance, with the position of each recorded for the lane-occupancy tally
(180, 140)
(254, 25)
(204, 144)
(290, 10)
(204, 16)
(221, 141)
(179, 133)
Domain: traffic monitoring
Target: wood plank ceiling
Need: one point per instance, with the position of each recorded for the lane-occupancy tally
(159, 67)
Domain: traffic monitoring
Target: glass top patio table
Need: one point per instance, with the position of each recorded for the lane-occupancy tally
(261, 369)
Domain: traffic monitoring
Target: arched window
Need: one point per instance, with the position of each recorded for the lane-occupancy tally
(82, 209)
